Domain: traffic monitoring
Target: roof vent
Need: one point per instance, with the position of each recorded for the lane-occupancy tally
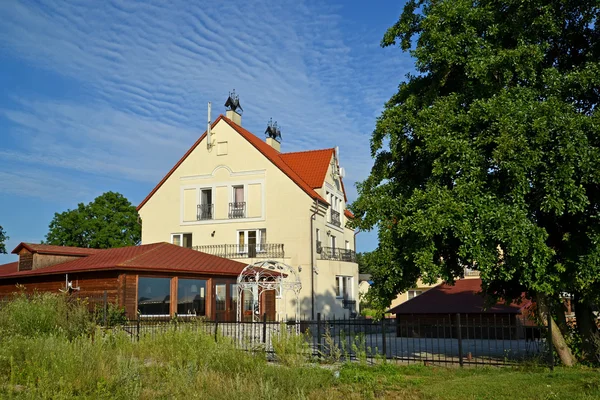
(273, 134)
(234, 109)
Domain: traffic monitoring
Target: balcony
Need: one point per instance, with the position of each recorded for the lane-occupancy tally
(266, 250)
(205, 211)
(237, 210)
(335, 218)
(336, 254)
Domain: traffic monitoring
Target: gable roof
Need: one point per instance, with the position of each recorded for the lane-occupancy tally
(303, 168)
(9, 268)
(151, 257)
(463, 297)
(54, 250)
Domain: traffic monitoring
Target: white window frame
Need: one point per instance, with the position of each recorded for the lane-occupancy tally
(344, 282)
(181, 238)
(415, 293)
(259, 235)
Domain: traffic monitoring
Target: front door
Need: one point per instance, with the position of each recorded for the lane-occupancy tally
(252, 244)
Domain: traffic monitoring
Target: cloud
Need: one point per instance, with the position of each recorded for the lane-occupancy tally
(147, 69)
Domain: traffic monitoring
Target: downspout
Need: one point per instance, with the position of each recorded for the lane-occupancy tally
(312, 261)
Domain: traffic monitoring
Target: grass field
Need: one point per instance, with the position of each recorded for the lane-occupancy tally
(44, 355)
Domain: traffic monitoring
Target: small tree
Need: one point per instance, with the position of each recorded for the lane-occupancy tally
(3, 239)
(109, 221)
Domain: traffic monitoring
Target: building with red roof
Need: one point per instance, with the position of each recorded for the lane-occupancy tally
(159, 279)
(242, 197)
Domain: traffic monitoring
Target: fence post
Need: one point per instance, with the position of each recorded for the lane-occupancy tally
(264, 328)
(319, 335)
(384, 345)
(216, 325)
(105, 300)
(550, 343)
(459, 337)
(138, 327)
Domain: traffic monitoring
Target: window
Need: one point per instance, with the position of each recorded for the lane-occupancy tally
(318, 238)
(182, 239)
(333, 246)
(206, 205)
(221, 296)
(237, 208)
(343, 288)
(233, 295)
(191, 297)
(154, 296)
(414, 293)
(252, 241)
(347, 247)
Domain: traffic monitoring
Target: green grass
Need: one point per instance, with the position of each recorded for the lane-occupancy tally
(46, 356)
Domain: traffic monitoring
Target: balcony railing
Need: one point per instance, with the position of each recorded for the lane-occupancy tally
(237, 210)
(265, 250)
(205, 211)
(335, 218)
(471, 272)
(337, 254)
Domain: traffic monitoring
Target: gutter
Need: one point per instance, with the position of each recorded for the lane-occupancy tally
(312, 261)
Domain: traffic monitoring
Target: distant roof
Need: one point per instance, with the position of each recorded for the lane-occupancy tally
(56, 250)
(150, 257)
(9, 268)
(364, 277)
(307, 169)
(462, 297)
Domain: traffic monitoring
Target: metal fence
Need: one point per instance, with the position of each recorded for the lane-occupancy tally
(455, 339)
(460, 339)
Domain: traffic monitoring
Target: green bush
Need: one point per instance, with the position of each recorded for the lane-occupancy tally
(45, 314)
(291, 348)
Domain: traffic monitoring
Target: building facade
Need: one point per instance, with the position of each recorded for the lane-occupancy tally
(237, 196)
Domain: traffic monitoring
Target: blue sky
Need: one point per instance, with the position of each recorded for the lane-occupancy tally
(108, 95)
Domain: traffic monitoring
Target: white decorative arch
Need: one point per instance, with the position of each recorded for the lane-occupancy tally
(263, 276)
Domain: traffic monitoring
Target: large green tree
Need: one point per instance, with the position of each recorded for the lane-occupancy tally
(489, 155)
(108, 221)
(3, 239)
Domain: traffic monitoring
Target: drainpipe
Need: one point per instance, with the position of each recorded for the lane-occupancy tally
(312, 261)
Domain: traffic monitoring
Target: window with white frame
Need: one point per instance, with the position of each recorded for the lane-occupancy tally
(252, 241)
(182, 239)
(414, 293)
(237, 208)
(318, 240)
(343, 287)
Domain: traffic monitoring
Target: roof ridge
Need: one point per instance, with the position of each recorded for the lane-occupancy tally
(308, 151)
(126, 262)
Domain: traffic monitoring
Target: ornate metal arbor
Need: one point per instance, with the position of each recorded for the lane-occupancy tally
(263, 276)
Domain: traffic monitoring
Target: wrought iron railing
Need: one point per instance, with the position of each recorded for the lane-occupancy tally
(337, 254)
(265, 250)
(205, 211)
(335, 218)
(471, 272)
(237, 210)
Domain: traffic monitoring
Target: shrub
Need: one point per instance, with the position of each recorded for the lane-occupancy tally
(45, 314)
(291, 348)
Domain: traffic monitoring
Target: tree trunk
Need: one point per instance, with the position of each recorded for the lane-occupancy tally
(588, 329)
(558, 340)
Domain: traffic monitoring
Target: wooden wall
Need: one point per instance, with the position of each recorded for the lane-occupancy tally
(46, 260)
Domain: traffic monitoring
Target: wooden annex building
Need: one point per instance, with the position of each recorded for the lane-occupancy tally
(156, 280)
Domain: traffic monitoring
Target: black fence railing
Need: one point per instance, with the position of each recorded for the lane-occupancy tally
(205, 211)
(237, 210)
(460, 339)
(337, 254)
(335, 218)
(264, 250)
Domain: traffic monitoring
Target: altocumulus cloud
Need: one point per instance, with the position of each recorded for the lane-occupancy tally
(145, 70)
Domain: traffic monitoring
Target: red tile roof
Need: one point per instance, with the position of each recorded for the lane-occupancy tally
(163, 257)
(348, 214)
(56, 250)
(307, 169)
(311, 165)
(463, 297)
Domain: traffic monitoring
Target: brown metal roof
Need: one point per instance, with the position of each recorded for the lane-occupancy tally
(463, 297)
(55, 250)
(162, 257)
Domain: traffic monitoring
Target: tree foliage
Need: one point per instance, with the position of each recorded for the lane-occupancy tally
(3, 239)
(109, 221)
(489, 156)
